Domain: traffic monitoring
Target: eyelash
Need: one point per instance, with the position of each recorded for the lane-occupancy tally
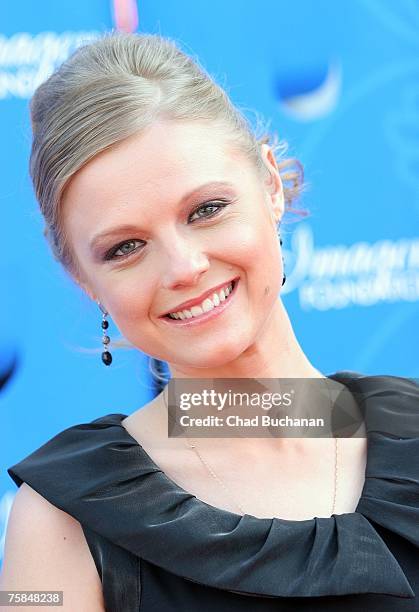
(111, 254)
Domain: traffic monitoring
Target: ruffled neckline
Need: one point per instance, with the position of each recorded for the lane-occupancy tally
(98, 473)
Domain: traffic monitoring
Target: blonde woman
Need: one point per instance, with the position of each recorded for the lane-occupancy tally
(157, 197)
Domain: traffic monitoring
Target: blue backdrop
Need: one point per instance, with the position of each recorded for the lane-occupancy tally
(339, 81)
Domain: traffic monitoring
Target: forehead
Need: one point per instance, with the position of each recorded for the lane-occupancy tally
(167, 159)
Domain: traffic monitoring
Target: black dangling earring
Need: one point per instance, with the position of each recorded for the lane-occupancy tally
(284, 278)
(106, 355)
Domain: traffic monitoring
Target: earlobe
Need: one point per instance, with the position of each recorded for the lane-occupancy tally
(278, 206)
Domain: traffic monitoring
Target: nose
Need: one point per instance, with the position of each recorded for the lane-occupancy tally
(185, 262)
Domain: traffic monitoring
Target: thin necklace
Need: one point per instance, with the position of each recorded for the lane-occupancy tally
(192, 444)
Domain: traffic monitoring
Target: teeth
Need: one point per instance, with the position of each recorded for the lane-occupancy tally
(207, 305)
(196, 310)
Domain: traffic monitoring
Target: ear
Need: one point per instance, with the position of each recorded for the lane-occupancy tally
(273, 183)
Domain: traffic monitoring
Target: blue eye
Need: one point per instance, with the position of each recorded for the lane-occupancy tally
(112, 253)
(217, 205)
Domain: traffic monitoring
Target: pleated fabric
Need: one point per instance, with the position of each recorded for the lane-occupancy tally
(158, 547)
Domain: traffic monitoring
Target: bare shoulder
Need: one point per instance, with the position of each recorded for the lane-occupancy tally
(45, 549)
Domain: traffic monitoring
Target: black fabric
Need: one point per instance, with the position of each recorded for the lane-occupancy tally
(118, 570)
(158, 547)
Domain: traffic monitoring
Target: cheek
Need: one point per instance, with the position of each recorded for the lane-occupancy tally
(257, 247)
(127, 300)
(261, 256)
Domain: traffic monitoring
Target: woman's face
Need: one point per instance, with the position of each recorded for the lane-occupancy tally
(162, 218)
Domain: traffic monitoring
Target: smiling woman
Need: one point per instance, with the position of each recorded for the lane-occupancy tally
(163, 205)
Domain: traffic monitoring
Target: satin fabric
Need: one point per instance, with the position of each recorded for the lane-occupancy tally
(155, 544)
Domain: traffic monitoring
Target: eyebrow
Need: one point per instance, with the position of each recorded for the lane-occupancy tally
(127, 227)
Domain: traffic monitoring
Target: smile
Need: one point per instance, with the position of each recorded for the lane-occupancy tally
(208, 309)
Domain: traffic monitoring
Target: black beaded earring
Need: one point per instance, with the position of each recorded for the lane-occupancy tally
(106, 355)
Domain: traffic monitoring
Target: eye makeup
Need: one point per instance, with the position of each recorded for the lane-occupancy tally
(220, 204)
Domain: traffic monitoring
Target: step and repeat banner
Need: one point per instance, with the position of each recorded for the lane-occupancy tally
(339, 81)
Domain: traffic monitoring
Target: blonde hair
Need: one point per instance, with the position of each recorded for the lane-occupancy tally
(112, 88)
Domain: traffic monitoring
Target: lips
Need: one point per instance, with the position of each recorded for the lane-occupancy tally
(195, 301)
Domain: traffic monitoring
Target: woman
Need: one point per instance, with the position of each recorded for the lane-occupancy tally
(156, 193)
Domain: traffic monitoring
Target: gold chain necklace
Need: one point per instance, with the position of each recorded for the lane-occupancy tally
(194, 447)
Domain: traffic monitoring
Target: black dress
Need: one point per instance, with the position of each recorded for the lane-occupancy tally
(159, 548)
